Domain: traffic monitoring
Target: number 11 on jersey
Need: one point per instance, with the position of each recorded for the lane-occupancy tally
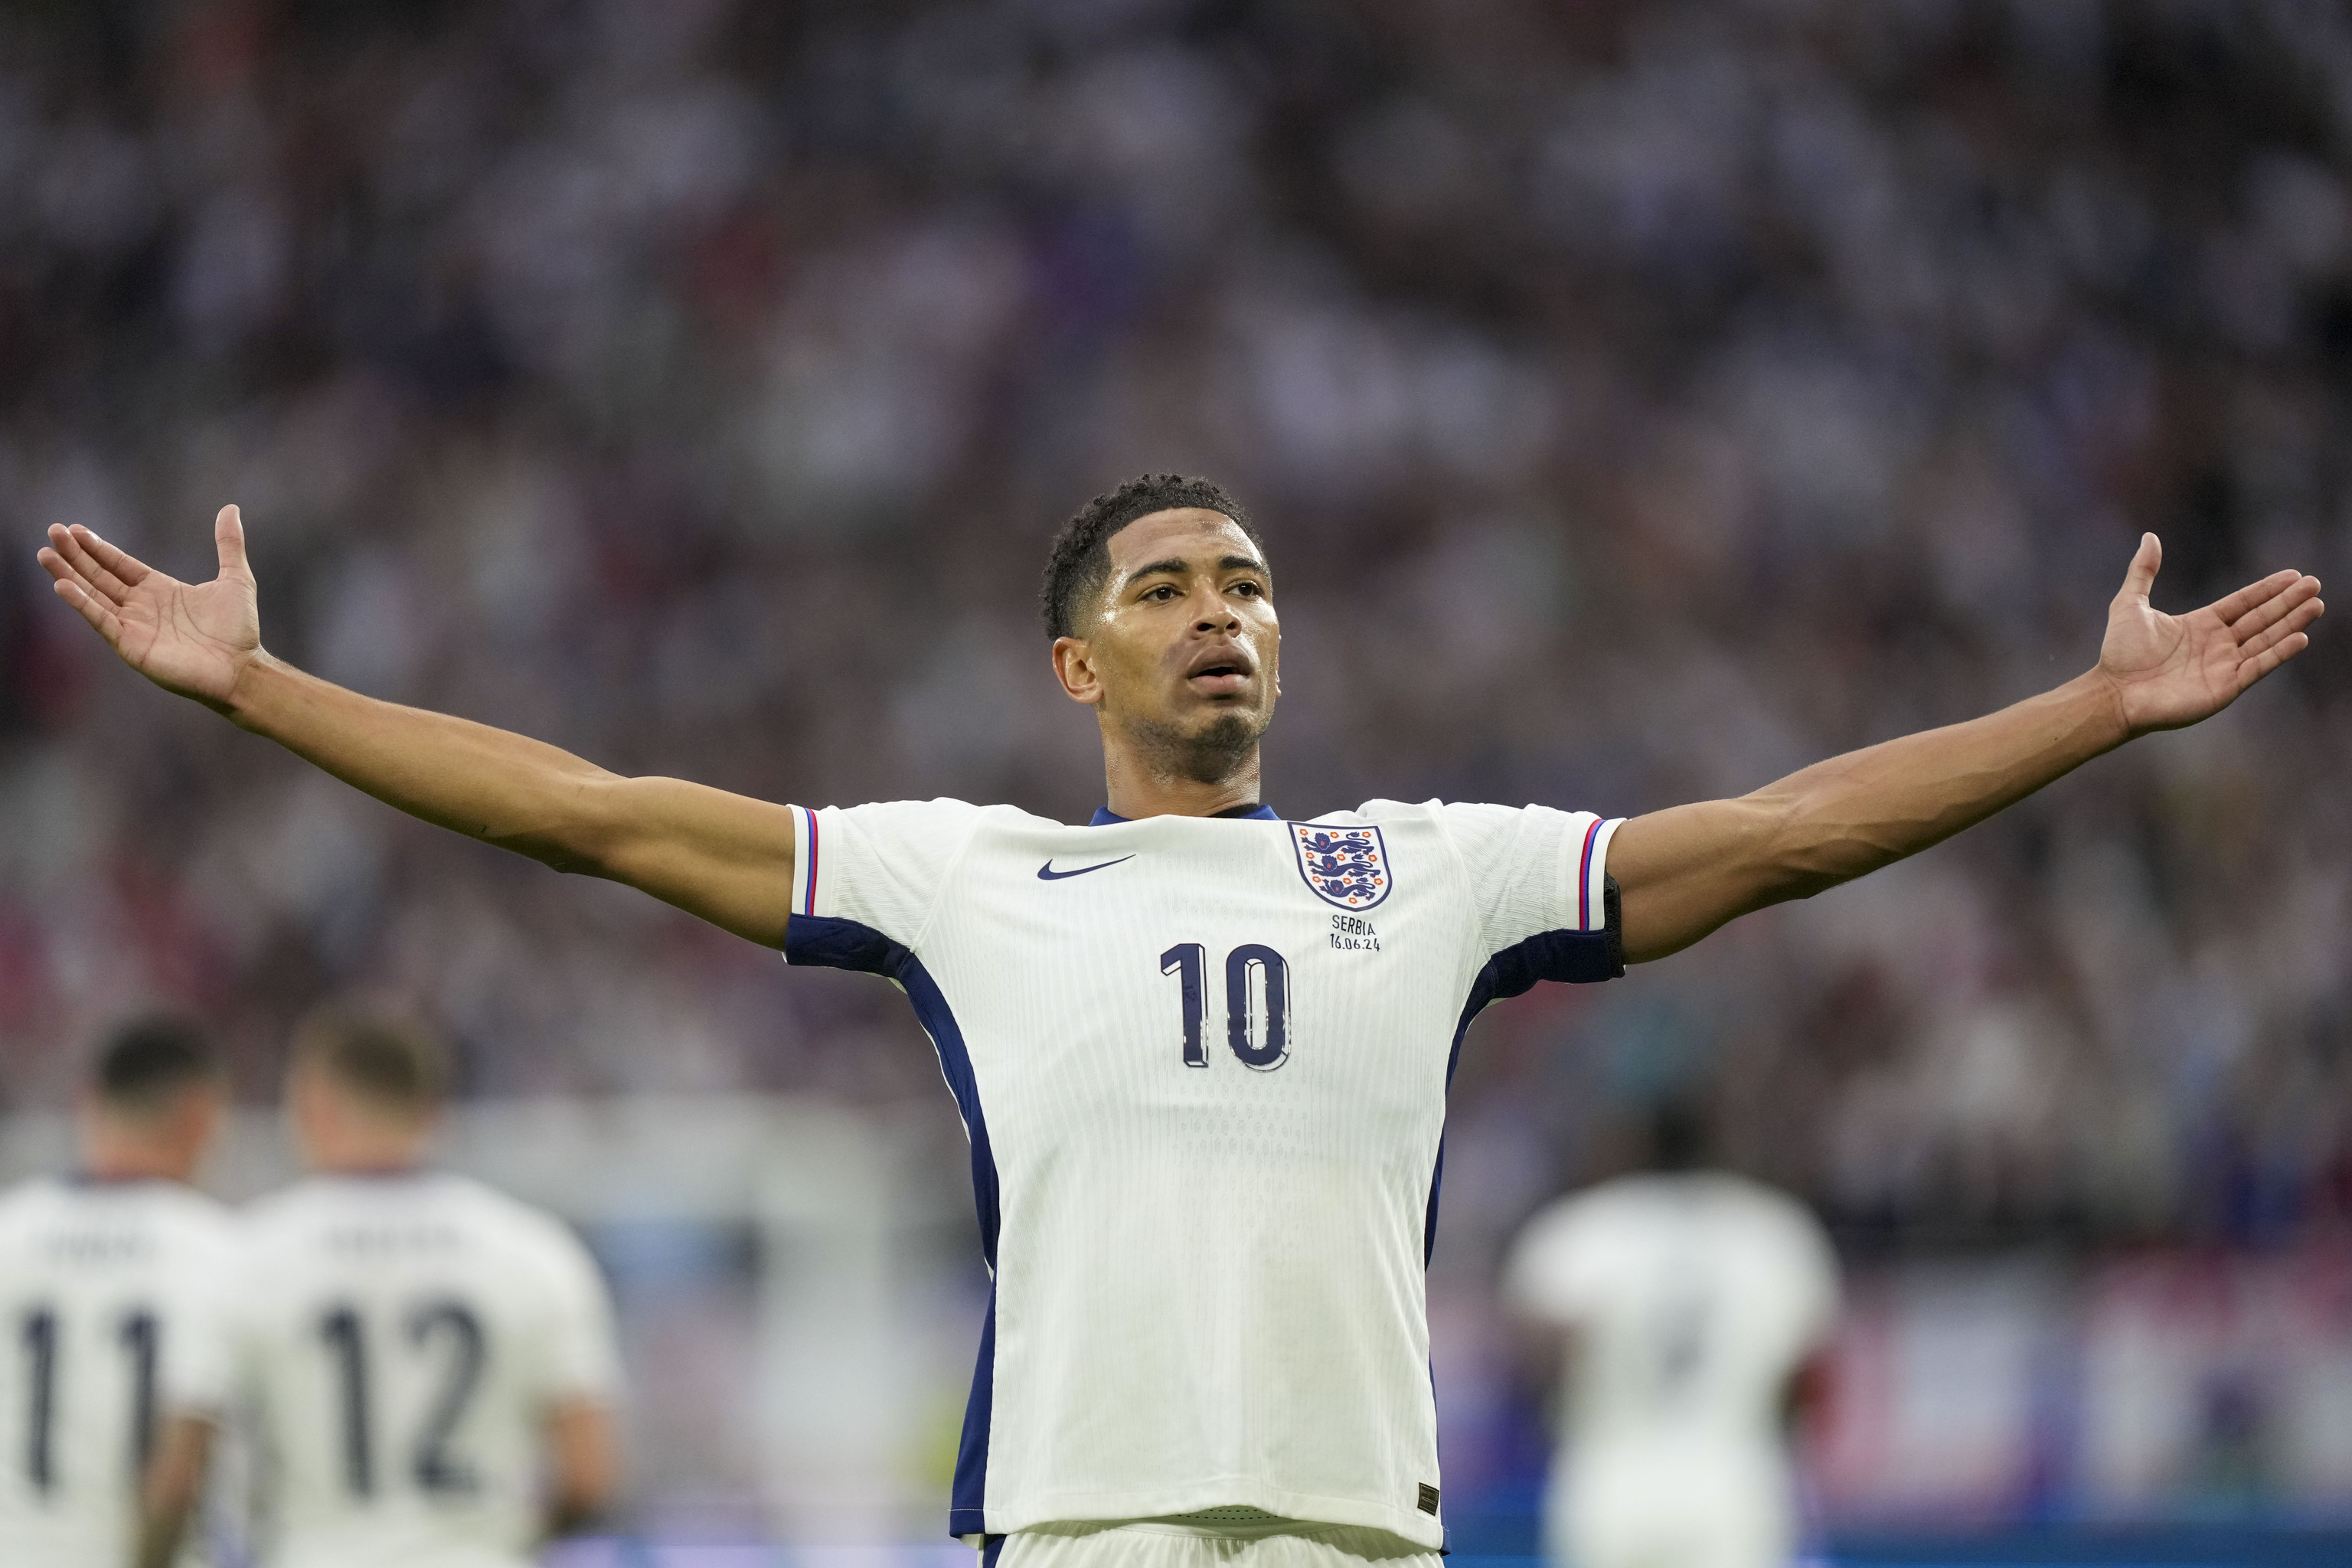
(1191, 959)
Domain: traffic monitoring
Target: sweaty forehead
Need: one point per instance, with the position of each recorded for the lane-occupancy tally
(1191, 533)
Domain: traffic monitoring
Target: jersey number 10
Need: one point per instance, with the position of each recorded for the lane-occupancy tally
(1252, 971)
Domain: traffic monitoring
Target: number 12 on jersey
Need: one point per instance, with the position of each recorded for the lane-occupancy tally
(433, 1466)
(1258, 991)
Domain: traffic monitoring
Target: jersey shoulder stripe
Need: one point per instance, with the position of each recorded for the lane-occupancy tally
(1584, 877)
(805, 863)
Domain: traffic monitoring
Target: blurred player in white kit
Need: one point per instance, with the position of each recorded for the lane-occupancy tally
(430, 1364)
(1690, 1301)
(110, 1285)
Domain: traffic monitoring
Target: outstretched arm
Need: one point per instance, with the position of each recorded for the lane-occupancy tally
(1685, 871)
(722, 857)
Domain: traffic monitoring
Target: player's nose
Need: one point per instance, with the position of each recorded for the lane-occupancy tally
(1217, 615)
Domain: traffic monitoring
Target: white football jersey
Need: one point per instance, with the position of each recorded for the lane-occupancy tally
(1693, 1298)
(1202, 1063)
(401, 1339)
(110, 1296)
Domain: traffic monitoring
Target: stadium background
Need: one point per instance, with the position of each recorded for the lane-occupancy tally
(1642, 400)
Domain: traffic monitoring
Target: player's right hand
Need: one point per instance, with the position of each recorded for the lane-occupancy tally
(195, 639)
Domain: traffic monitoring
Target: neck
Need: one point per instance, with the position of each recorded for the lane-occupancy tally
(1133, 790)
(127, 1165)
(354, 1144)
(367, 1156)
(115, 1149)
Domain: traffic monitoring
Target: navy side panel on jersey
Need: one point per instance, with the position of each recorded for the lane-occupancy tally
(835, 943)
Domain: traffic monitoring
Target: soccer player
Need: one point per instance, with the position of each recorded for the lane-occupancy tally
(1690, 1301)
(109, 1286)
(1200, 1051)
(418, 1350)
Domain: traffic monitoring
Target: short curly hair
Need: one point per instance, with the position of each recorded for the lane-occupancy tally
(1080, 562)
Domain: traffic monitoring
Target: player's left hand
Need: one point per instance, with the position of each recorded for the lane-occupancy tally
(2171, 670)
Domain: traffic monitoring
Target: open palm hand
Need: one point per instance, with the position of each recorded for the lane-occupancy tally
(2172, 670)
(192, 638)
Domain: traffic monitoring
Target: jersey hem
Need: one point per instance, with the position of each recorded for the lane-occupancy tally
(805, 849)
(1303, 1507)
(1593, 874)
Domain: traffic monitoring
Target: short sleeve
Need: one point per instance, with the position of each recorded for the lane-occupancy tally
(581, 1359)
(864, 877)
(1538, 878)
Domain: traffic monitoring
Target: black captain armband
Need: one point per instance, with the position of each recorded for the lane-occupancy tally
(1613, 924)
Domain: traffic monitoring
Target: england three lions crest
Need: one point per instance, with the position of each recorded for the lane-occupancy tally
(1347, 867)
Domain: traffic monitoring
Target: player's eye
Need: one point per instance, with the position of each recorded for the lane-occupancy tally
(1246, 586)
(1165, 591)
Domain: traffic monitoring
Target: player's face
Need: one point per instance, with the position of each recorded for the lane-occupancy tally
(1186, 641)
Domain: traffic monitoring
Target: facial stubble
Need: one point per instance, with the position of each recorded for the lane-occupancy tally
(1208, 755)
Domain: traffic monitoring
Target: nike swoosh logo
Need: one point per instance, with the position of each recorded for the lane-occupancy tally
(1046, 873)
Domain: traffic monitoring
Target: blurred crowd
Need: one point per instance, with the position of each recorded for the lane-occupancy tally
(1641, 400)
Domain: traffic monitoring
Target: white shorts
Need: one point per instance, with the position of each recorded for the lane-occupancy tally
(1158, 1543)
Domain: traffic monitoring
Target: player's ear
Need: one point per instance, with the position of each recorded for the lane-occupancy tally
(1073, 667)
